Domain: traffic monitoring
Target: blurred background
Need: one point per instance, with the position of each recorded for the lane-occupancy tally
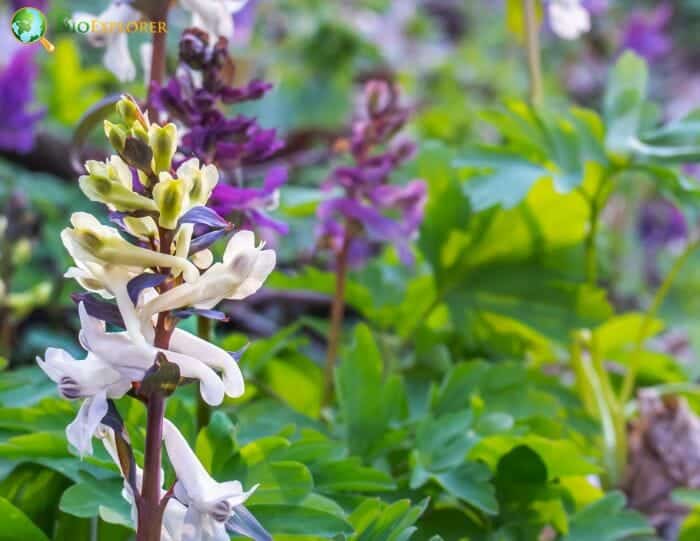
(455, 63)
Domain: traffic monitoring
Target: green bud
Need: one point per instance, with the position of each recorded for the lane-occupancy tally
(137, 154)
(138, 131)
(114, 194)
(21, 252)
(163, 142)
(169, 195)
(143, 228)
(116, 135)
(129, 111)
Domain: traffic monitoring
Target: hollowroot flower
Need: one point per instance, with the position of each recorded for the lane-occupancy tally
(91, 379)
(142, 271)
(210, 505)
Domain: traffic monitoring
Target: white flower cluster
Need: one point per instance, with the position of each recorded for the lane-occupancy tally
(145, 279)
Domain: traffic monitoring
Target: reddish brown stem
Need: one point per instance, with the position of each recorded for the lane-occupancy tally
(160, 53)
(149, 503)
(337, 315)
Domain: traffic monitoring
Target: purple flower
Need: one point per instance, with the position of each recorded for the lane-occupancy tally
(16, 95)
(644, 33)
(194, 98)
(252, 204)
(39, 4)
(661, 224)
(370, 212)
(596, 7)
(244, 22)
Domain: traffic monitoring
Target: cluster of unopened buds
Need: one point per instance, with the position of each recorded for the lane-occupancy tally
(143, 274)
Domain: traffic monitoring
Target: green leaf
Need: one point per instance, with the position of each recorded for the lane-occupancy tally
(314, 515)
(471, 482)
(607, 520)
(624, 102)
(350, 475)
(216, 442)
(16, 525)
(95, 498)
(367, 401)
(375, 520)
(297, 380)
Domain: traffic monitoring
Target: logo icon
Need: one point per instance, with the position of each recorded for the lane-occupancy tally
(29, 26)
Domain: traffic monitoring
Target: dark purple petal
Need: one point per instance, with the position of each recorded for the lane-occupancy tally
(242, 522)
(18, 125)
(254, 90)
(204, 216)
(238, 354)
(204, 241)
(209, 314)
(143, 281)
(100, 308)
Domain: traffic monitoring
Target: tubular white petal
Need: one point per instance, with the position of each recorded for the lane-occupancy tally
(191, 475)
(211, 355)
(80, 432)
(192, 525)
(242, 241)
(231, 491)
(210, 385)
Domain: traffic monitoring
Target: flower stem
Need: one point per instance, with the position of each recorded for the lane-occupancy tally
(150, 514)
(631, 374)
(149, 504)
(159, 53)
(203, 409)
(532, 39)
(337, 315)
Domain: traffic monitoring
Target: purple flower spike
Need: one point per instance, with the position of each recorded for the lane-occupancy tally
(16, 94)
(644, 33)
(194, 97)
(372, 212)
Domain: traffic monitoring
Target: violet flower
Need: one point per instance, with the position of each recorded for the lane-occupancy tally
(19, 121)
(194, 98)
(367, 211)
(660, 225)
(644, 33)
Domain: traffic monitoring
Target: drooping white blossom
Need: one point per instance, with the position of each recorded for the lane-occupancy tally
(242, 272)
(209, 503)
(569, 18)
(117, 349)
(91, 379)
(214, 16)
(117, 57)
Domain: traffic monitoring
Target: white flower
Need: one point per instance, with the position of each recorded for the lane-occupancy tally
(91, 379)
(214, 16)
(209, 503)
(117, 57)
(200, 181)
(90, 241)
(569, 19)
(244, 268)
(174, 514)
(119, 351)
(110, 281)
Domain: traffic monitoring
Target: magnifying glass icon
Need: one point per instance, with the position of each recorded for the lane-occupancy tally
(29, 26)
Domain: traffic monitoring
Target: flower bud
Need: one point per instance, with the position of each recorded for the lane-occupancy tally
(143, 228)
(110, 183)
(163, 142)
(116, 135)
(129, 111)
(21, 252)
(169, 194)
(199, 182)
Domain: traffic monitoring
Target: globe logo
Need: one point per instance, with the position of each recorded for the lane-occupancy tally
(29, 26)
